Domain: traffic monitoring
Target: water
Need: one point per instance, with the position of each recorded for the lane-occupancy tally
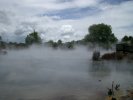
(46, 74)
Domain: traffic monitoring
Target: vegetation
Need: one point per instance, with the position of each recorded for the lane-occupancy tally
(70, 45)
(52, 44)
(33, 38)
(59, 44)
(2, 43)
(127, 39)
(0, 38)
(100, 34)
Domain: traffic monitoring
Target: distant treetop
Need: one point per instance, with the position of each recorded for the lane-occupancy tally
(100, 33)
(33, 38)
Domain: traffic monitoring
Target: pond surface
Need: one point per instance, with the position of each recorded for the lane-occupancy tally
(46, 74)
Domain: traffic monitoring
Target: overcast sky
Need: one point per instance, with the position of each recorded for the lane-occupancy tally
(63, 19)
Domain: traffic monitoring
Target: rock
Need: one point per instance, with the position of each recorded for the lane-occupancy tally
(96, 55)
(113, 56)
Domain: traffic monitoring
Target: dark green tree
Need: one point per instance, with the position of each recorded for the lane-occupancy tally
(100, 34)
(132, 41)
(2, 43)
(55, 45)
(127, 39)
(59, 42)
(52, 44)
(70, 45)
(33, 38)
(0, 38)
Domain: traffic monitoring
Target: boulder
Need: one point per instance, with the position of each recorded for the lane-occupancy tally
(96, 55)
(113, 56)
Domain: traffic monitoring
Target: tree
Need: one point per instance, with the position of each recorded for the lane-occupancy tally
(52, 44)
(33, 38)
(0, 38)
(100, 34)
(127, 39)
(70, 45)
(59, 42)
(2, 43)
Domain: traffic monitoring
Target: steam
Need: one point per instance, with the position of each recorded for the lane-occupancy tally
(41, 73)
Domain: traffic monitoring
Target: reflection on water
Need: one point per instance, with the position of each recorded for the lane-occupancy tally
(99, 69)
(38, 74)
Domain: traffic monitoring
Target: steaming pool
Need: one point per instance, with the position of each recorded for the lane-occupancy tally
(46, 74)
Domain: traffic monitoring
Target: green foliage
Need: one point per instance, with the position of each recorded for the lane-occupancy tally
(55, 45)
(59, 42)
(52, 44)
(3, 44)
(101, 34)
(127, 39)
(0, 38)
(132, 41)
(70, 45)
(33, 38)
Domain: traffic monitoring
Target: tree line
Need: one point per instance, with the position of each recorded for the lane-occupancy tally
(98, 34)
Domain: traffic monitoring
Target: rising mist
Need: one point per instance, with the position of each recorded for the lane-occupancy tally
(42, 73)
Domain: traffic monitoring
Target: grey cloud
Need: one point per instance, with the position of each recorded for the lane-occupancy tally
(114, 2)
(62, 1)
(4, 18)
(68, 33)
(18, 21)
(19, 31)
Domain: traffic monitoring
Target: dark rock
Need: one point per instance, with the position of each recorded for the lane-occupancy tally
(113, 56)
(96, 55)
